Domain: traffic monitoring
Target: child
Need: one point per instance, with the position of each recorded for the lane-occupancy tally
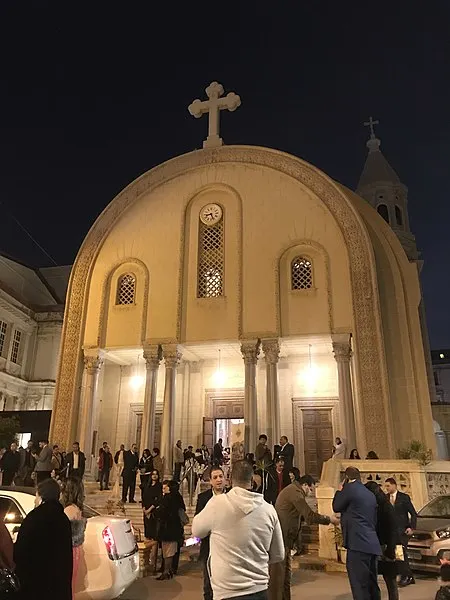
(443, 592)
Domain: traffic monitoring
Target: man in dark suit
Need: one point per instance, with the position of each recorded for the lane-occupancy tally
(358, 508)
(217, 481)
(130, 468)
(287, 450)
(218, 453)
(276, 479)
(75, 462)
(406, 518)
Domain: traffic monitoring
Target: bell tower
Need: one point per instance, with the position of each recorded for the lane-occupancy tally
(380, 185)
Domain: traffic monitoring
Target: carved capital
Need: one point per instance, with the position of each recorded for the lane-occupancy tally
(152, 356)
(342, 351)
(271, 349)
(250, 351)
(93, 363)
(172, 355)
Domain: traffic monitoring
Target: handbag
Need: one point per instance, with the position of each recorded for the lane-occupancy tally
(9, 583)
(183, 516)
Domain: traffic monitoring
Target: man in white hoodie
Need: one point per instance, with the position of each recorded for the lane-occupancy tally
(245, 537)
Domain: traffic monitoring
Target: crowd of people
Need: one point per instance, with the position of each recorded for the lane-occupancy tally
(249, 521)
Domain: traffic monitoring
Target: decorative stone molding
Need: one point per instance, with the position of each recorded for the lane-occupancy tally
(250, 351)
(271, 349)
(371, 367)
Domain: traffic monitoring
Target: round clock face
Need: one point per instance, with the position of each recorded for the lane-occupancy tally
(211, 214)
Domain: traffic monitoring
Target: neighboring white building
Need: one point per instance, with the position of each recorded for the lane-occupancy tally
(31, 316)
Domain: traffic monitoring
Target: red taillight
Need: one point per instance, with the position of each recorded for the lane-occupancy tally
(110, 543)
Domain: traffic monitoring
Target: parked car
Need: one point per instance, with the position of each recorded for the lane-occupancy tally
(110, 560)
(430, 541)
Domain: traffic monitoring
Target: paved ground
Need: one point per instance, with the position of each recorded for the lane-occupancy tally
(312, 585)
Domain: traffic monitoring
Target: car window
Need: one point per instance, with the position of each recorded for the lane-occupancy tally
(89, 512)
(439, 507)
(10, 511)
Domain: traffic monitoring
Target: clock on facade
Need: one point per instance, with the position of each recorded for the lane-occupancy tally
(211, 214)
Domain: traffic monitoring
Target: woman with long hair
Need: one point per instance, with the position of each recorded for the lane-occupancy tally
(170, 526)
(354, 454)
(151, 499)
(388, 537)
(73, 501)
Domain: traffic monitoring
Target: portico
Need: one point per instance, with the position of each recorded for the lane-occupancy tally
(164, 392)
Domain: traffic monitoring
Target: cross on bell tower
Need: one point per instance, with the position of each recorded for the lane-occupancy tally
(213, 106)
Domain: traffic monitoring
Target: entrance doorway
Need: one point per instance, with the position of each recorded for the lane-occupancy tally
(318, 439)
(231, 432)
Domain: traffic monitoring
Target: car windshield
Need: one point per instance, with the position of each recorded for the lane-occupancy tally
(89, 512)
(437, 508)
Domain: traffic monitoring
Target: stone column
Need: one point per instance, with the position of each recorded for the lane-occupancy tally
(172, 357)
(271, 350)
(250, 353)
(342, 354)
(92, 365)
(152, 356)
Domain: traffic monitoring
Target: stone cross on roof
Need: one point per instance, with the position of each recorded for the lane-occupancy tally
(213, 106)
(370, 123)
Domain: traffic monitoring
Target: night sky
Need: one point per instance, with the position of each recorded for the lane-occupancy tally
(90, 98)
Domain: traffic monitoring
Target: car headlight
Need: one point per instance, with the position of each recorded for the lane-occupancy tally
(443, 534)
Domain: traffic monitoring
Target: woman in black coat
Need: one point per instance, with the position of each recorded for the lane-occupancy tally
(43, 550)
(388, 537)
(151, 499)
(170, 531)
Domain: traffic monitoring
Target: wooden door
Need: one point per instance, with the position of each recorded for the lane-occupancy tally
(208, 433)
(318, 439)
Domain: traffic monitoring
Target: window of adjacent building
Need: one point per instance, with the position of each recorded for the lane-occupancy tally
(383, 211)
(126, 289)
(398, 216)
(3, 328)
(210, 260)
(15, 355)
(301, 273)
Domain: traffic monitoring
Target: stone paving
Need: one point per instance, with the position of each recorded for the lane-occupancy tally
(311, 585)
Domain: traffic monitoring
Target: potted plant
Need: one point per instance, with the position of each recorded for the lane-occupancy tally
(416, 451)
(341, 552)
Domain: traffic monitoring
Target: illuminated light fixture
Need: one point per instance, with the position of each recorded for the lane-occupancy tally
(10, 516)
(310, 375)
(137, 380)
(219, 375)
(441, 355)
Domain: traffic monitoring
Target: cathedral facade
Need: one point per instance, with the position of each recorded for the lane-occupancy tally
(239, 290)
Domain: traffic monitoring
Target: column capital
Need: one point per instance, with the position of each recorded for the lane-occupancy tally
(93, 360)
(342, 351)
(250, 351)
(172, 355)
(152, 355)
(271, 349)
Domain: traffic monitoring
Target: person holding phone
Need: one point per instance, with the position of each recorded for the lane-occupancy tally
(358, 508)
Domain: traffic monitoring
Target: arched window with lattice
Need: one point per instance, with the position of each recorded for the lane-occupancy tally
(126, 290)
(301, 273)
(210, 270)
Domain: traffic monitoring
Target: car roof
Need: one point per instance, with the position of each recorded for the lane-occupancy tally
(18, 488)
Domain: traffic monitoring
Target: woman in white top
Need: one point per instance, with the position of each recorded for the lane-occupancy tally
(339, 449)
(119, 462)
(73, 499)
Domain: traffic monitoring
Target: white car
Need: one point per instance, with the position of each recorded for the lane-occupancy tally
(110, 558)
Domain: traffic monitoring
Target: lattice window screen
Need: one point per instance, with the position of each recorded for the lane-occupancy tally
(301, 273)
(16, 347)
(126, 289)
(210, 261)
(3, 328)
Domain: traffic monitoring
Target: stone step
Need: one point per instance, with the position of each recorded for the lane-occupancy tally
(315, 563)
